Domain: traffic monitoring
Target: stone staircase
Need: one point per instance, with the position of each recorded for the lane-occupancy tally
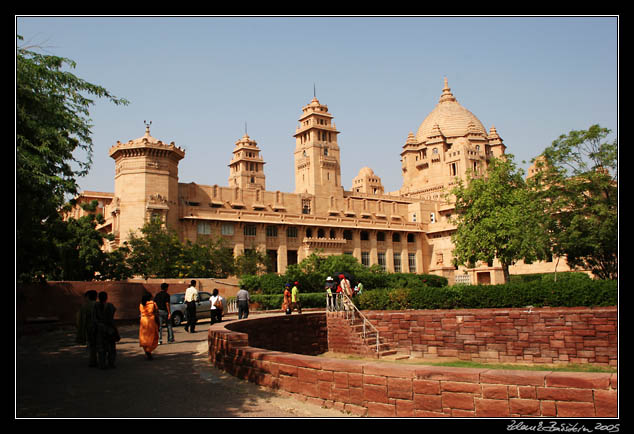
(368, 335)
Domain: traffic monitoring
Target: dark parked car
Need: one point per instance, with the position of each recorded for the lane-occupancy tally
(179, 308)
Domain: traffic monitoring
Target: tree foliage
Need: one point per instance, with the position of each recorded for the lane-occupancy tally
(577, 188)
(52, 125)
(156, 251)
(252, 261)
(497, 218)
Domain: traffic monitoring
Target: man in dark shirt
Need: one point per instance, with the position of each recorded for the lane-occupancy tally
(162, 300)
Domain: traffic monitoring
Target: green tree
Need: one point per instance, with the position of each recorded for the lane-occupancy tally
(115, 266)
(52, 128)
(252, 261)
(577, 186)
(207, 258)
(78, 253)
(156, 251)
(496, 217)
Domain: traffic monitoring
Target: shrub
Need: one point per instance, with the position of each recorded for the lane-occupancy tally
(274, 301)
(566, 293)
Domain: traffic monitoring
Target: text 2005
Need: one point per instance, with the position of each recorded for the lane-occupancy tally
(607, 428)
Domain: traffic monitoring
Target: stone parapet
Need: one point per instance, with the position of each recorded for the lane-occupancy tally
(522, 335)
(380, 389)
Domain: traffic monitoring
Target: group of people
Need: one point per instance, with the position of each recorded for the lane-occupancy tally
(291, 299)
(191, 299)
(96, 329)
(342, 286)
(335, 289)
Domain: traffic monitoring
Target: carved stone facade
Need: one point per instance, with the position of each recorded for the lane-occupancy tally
(407, 230)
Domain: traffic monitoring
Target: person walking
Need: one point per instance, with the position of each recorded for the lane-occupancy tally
(148, 328)
(216, 306)
(243, 303)
(345, 288)
(286, 304)
(330, 284)
(295, 303)
(106, 334)
(162, 300)
(86, 326)
(191, 297)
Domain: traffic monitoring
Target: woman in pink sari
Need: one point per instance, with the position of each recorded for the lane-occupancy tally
(148, 330)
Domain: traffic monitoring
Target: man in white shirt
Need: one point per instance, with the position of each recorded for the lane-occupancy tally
(191, 296)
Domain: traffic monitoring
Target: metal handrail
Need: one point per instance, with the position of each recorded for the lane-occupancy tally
(341, 302)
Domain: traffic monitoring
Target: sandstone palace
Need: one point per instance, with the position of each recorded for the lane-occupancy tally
(408, 230)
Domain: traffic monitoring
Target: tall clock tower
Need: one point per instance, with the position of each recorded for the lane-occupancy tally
(317, 158)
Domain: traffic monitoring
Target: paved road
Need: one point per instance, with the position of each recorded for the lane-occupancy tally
(53, 380)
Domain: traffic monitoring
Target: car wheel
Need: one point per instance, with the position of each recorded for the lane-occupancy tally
(177, 318)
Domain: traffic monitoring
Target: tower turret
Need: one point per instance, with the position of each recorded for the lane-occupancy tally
(145, 183)
(317, 158)
(246, 169)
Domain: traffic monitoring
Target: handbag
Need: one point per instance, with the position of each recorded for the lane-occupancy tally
(218, 303)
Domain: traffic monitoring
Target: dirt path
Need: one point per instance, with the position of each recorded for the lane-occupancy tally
(53, 380)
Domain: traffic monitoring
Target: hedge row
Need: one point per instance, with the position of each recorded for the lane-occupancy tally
(273, 283)
(274, 301)
(537, 293)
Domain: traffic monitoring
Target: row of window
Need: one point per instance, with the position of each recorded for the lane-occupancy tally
(411, 261)
(204, 228)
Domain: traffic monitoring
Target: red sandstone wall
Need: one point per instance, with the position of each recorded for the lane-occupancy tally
(381, 389)
(301, 334)
(543, 335)
(62, 300)
(343, 339)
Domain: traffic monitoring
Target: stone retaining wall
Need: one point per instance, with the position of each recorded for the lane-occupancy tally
(546, 335)
(540, 335)
(60, 301)
(380, 389)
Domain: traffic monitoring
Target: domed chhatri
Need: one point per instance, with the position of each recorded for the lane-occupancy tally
(450, 143)
(451, 118)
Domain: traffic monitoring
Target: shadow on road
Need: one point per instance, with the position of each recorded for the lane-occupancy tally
(53, 380)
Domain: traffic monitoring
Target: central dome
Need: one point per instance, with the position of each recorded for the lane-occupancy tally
(452, 119)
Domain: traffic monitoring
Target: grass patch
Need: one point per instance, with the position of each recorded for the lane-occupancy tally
(559, 367)
(569, 367)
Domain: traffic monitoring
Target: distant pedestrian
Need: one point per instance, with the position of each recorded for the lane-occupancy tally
(330, 284)
(286, 303)
(344, 284)
(243, 303)
(162, 300)
(106, 333)
(216, 306)
(86, 326)
(295, 303)
(148, 329)
(85, 311)
(191, 297)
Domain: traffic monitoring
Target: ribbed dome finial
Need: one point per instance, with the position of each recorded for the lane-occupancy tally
(449, 119)
(446, 93)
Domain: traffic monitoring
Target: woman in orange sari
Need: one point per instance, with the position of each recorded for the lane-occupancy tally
(286, 304)
(148, 330)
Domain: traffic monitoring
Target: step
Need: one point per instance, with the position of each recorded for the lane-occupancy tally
(386, 353)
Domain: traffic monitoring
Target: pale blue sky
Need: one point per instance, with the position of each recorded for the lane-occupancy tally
(199, 79)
